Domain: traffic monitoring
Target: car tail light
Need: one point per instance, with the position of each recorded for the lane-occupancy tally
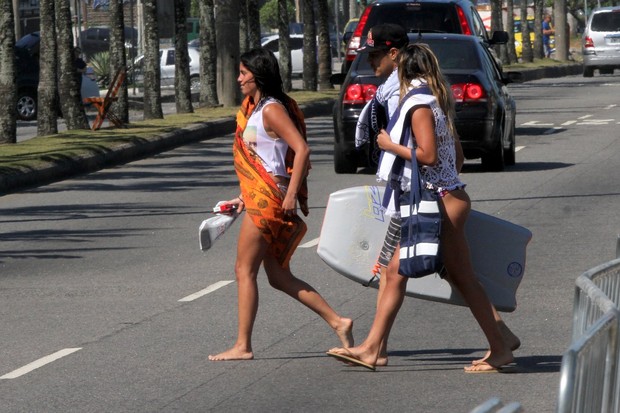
(463, 21)
(359, 93)
(356, 38)
(588, 42)
(468, 92)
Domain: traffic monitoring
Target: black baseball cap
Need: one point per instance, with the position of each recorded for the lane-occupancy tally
(385, 36)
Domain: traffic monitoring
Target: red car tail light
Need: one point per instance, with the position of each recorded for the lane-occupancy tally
(468, 92)
(356, 38)
(463, 21)
(359, 93)
(588, 42)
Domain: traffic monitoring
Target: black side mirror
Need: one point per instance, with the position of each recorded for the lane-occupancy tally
(499, 37)
(345, 37)
(337, 78)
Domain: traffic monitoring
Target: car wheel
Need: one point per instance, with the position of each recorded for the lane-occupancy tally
(588, 71)
(344, 162)
(494, 159)
(194, 83)
(510, 153)
(26, 105)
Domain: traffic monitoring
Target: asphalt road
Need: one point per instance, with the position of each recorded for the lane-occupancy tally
(92, 271)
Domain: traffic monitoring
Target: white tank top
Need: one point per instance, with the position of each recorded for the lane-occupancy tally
(270, 148)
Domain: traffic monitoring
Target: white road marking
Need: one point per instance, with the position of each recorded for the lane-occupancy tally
(570, 122)
(39, 363)
(610, 107)
(552, 130)
(536, 123)
(518, 148)
(310, 243)
(206, 291)
(585, 117)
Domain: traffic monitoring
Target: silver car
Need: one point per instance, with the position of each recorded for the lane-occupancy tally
(601, 41)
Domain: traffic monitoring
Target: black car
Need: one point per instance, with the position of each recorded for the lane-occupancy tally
(27, 62)
(485, 110)
(97, 39)
(426, 16)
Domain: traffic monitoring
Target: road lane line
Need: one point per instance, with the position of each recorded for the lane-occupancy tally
(310, 243)
(206, 291)
(610, 107)
(585, 117)
(570, 122)
(39, 363)
(552, 130)
(518, 148)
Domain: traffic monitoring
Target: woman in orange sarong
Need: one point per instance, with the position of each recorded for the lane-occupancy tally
(271, 159)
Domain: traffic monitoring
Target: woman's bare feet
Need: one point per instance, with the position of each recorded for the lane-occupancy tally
(345, 332)
(382, 360)
(491, 364)
(232, 354)
(356, 356)
(511, 340)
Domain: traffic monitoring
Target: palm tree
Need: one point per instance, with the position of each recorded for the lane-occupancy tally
(227, 27)
(325, 55)
(118, 59)
(208, 55)
(8, 90)
(284, 47)
(253, 23)
(152, 75)
(510, 24)
(310, 67)
(68, 84)
(526, 51)
(244, 36)
(539, 6)
(182, 82)
(47, 98)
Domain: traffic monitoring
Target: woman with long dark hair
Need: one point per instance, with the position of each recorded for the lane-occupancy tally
(271, 159)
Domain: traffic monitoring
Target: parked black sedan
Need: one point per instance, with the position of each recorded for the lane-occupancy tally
(485, 110)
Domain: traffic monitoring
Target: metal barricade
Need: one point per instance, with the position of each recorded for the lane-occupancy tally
(590, 373)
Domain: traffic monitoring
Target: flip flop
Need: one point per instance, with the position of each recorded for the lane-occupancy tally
(488, 369)
(350, 359)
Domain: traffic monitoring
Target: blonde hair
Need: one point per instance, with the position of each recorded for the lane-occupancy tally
(417, 60)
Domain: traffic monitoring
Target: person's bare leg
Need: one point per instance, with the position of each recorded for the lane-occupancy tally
(282, 279)
(250, 249)
(458, 263)
(382, 360)
(389, 305)
(510, 338)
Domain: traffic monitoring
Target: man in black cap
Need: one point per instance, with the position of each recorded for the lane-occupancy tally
(384, 43)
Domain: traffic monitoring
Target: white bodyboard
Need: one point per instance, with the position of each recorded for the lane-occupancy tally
(354, 228)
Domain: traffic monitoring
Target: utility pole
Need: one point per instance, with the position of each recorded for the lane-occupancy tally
(227, 44)
(562, 34)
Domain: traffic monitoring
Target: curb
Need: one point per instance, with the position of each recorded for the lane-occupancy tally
(59, 169)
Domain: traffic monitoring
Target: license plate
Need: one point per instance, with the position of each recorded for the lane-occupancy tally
(614, 40)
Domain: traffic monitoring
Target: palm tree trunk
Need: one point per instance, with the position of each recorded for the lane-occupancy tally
(284, 47)
(310, 66)
(244, 37)
(539, 9)
(325, 55)
(8, 89)
(69, 82)
(227, 26)
(526, 51)
(118, 59)
(152, 74)
(253, 24)
(47, 96)
(510, 28)
(208, 55)
(182, 81)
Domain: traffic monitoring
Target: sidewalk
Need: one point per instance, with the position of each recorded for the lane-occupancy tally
(65, 168)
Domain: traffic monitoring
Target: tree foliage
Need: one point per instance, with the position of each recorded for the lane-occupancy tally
(269, 13)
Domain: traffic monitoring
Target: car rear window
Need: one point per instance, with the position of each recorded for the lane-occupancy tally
(606, 22)
(452, 54)
(425, 17)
